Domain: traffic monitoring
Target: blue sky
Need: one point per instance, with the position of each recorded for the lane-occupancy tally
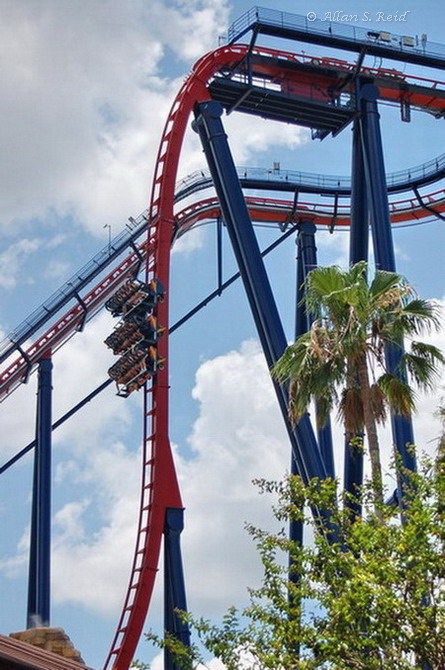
(86, 89)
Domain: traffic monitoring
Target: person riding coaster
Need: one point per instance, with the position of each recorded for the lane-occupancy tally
(132, 332)
(134, 368)
(134, 293)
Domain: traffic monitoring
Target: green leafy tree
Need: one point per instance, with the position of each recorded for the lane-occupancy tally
(358, 603)
(342, 358)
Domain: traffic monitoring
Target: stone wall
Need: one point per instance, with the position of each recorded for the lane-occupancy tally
(54, 640)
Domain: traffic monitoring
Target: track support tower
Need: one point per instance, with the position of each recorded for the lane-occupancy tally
(174, 584)
(209, 126)
(40, 546)
(374, 166)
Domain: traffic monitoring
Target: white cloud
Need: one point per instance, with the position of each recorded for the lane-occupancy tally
(238, 436)
(201, 23)
(193, 240)
(18, 420)
(249, 135)
(105, 553)
(213, 664)
(57, 269)
(83, 102)
(68, 520)
(78, 368)
(14, 258)
(333, 249)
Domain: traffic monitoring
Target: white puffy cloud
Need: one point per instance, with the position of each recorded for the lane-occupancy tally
(213, 664)
(79, 367)
(13, 258)
(84, 102)
(239, 436)
(199, 22)
(103, 551)
(249, 135)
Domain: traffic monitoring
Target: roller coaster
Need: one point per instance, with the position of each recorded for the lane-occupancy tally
(323, 93)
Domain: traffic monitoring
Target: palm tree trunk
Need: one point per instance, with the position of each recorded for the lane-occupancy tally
(371, 432)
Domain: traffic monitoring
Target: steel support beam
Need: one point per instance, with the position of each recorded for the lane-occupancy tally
(358, 251)
(256, 282)
(307, 254)
(359, 230)
(402, 428)
(174, 584)
(40, 545)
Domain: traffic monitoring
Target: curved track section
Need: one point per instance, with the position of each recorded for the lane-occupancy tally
(70, 289)
(160, 489)
(73, 320)
(309, 182)
(264, 210)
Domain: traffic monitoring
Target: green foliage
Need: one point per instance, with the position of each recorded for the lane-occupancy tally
(375, 599)
(353, 320)
(341, 360)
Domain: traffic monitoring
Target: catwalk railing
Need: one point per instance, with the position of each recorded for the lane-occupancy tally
(328, 25)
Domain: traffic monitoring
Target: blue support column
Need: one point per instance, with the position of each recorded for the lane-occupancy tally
(308, 260)
(358, 251)
(174, 584)
(40, 547)
(403, 434)
(359, 230)
(402, 427)
(301, 320)
(208, 124)
(296, 527)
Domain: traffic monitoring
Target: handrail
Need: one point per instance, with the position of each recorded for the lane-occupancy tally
(397, 182)
(400, 47)
(68, 290)
(402, 180)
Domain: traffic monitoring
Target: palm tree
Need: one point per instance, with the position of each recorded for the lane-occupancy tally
(341, 359)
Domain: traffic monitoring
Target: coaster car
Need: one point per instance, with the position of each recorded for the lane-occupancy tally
(135, 294)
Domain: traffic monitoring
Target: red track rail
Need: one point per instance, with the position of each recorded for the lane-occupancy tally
(18, 371)
(159, 481)
(272, 210)
(266, 210)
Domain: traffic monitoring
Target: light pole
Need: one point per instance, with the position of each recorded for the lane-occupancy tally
(108, 225)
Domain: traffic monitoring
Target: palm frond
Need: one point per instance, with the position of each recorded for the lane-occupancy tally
(384, 282)
(378, 403)
(323, 407)
(330, 288)
(323, 281)
(420, 316)
(289, 364)
(423, 363)
(399, 395)
(299, 400)
(350, 410)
